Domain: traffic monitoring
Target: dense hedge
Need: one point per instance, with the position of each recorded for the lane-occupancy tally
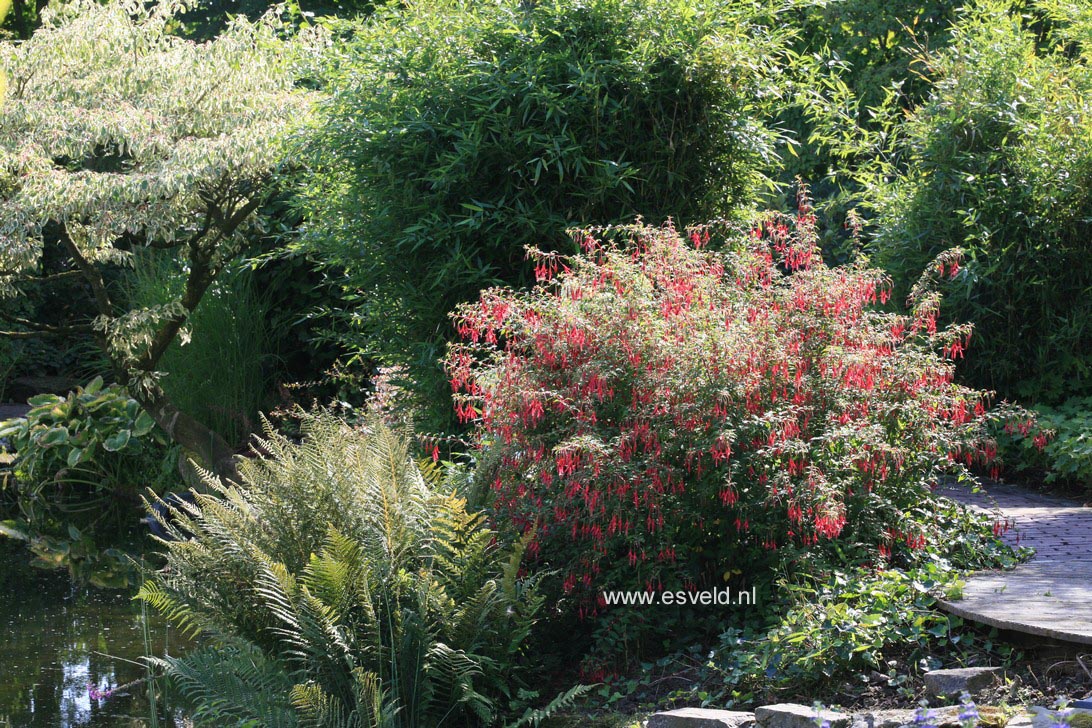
(999, 161)
(457, 133)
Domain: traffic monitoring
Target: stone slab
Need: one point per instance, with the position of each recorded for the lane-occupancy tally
(11, 411)
(892, 718)
(701, 718)
(1045, 717)
(793, 715)
(953, 683)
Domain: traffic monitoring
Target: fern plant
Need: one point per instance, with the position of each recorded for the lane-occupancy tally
(339, 585)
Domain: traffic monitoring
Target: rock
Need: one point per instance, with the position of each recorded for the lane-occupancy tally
(1021, 720)
(951, 683)
(943, 717)
(791, 715)
(701, 718)
(883, 719)
(25, 387)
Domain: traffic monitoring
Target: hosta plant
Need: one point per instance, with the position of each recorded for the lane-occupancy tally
(659, 416)
(64, 438)
(337, 584)
(78, 465)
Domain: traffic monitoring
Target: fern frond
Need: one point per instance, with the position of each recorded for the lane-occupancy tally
(176, 611)
(332, 564)
(232, 684)
(319, 709)
(451, 675)
(534, 717)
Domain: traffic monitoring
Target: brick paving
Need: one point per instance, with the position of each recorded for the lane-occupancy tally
(1048, 596)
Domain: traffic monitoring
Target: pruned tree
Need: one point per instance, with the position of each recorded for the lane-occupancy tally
(116, 137)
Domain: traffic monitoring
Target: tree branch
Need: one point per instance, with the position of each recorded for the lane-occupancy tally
(91, 275)
(210, 448)
(203, 270)
(54, 277)
(51, 331)
(24, 334)
(40, 329)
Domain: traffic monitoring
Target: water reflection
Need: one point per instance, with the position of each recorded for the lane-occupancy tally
(68, 654)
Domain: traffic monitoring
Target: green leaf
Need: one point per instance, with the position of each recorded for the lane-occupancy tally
(93, 404)
(53, 436)
(74, 457)
(39, 400)
(117, 441)
(8, 529)
(143, 425)
(11, 428)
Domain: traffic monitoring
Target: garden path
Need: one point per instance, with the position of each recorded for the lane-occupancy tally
(8, 411)
(1048, 596)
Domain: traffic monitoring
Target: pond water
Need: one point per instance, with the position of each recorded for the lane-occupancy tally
(60, 643)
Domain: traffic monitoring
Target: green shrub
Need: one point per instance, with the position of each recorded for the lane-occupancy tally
(877, 39)
(834, 626)
(80, 463)
(838, 622)
(1060, 443)
(457, 133)
(338, 585)
(870, 45)
(832, 629)
(660, 414)
(998, 161)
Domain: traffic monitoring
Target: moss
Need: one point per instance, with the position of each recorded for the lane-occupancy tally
(1080, 720)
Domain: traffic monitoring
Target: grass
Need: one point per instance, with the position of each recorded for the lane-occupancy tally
(219, 375)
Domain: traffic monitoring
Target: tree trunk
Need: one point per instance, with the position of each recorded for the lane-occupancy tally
(19, 10)
(210, 449)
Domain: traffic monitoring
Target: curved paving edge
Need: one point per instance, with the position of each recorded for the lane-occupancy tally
(1026, 602)
(1048, 596)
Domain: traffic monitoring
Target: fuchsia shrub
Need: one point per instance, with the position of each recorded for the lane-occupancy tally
(662, 415)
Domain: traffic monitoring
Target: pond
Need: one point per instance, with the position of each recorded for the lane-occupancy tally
(61, 643)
